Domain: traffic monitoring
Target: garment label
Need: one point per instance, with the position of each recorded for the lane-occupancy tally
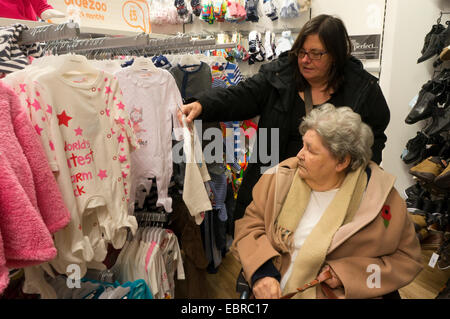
(413, 101)
(145, 74)
(79, 79)
(191, 68)
(433, 260)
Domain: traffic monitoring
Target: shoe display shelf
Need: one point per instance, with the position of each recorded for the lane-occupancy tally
(428, 153)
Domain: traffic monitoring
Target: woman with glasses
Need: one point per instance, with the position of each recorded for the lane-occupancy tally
(320, 69)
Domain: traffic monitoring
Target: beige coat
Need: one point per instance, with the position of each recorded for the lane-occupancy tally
(356, 246)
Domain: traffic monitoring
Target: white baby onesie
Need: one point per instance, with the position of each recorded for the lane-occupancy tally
(152, 98)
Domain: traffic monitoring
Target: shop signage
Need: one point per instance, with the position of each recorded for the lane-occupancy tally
(126, 15)
(366, 47)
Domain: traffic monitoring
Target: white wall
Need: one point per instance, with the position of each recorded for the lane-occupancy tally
(360, 18)
(407, 22)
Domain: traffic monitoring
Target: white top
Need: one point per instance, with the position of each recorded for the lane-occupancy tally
(152, 99)
(318, 203)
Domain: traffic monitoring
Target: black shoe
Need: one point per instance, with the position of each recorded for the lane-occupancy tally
(437, 28)
(445, 150)
(421, 105)
(415, 190)
(441, 120)
(428, 207)
(436, 44)
(436, 146)
(436, 213)
(431, 93)
(414, 205)
(414, 147)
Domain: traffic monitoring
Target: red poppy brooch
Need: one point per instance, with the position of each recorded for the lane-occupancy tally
(386, 215)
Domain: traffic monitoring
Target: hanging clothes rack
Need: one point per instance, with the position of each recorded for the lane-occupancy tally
(141, 44)
(138, 41)
(243, 32)
(49, 33)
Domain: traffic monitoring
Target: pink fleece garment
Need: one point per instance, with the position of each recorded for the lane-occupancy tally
(26, 239)
(4, 274)
(31, 204)
(42, 188)
(23, 9)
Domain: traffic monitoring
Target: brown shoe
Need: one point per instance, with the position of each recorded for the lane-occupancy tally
(444, 255)
(422, 234)
(445, 54)
(443, 179)
(418, 220)
(433, 241)
(428, 169)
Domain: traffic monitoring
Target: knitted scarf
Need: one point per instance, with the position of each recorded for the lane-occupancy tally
(312, 254)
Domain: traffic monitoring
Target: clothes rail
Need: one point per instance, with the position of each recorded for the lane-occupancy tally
(180, 45)
(141, 42)
(242, 32)
(276, 31)
(49, 33)
(102, 43)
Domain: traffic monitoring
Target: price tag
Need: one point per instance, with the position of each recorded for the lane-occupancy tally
(413, 101)
(433, 260)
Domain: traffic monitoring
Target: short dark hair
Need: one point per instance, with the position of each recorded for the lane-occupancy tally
(334, 36)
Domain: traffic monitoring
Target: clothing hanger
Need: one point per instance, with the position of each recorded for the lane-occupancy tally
(75, 64)
(188, 60)
(143, 64)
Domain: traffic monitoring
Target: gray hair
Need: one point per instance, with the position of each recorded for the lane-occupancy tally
(343, 133)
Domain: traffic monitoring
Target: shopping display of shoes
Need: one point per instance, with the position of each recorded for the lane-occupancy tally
(428, 154)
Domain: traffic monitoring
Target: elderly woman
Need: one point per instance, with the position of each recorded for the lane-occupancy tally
(329, 208)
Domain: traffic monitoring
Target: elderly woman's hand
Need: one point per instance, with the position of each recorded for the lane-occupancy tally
(334, 281)
(267, 288)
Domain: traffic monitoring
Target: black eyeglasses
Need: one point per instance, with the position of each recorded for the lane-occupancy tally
(313, 54)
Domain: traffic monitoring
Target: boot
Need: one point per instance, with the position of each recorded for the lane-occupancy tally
(443, 179)
(444, 255)
(437, 28)
(441, 120)
(428, 169)
(422, 109)
(414, 148)
(436, 44)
